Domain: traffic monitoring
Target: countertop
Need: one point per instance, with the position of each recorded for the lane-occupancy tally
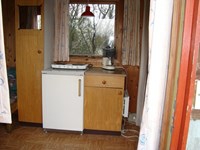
(63, 71)
(100, 71)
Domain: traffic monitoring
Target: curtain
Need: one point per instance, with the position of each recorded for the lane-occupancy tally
(159, 45)
(143, 64)
(61, 49)
(5, 113)
(131, 33)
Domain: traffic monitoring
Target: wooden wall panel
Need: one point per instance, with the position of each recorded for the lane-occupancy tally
(132, 86)
(8, 9)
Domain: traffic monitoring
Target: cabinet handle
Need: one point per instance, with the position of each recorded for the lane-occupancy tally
(79, 87)
(39, 51)
(103, 82)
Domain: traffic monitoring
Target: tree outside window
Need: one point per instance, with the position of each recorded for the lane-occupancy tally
(88, 36)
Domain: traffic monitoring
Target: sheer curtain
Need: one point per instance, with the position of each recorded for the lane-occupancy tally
(159, 45)
(5, 114)
(131, 33)
(143, 64)
(61, 49)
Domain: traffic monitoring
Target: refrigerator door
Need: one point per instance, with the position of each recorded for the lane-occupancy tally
(62, 97)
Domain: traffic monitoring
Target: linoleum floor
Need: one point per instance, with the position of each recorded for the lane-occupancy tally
(26, 137)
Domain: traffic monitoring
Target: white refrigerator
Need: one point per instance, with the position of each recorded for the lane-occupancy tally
(62, 99)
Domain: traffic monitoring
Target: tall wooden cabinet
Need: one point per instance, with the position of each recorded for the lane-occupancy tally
(103, 102)
(29, 63)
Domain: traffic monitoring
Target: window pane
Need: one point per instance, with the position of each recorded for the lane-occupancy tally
(30, 17)
(88, 36)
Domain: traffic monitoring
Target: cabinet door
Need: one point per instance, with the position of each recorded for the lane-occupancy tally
(103, 108)
(62, 102)
(29, 63)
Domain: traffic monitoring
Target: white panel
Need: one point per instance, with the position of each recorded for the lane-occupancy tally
(197, 97)
(62, 106)
(159, 46)
(193, 141)
(125, 104)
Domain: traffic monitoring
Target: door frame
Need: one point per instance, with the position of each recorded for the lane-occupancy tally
(187, 74)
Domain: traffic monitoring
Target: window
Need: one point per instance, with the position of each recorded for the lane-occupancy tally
(29, 17)
(115, 40)
(88, 36)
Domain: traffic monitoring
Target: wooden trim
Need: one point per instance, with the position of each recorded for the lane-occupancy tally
(183, 73)
(95, 1)
(119, 29)
(190, 87)
(186, 78)
(175, 52)
(94, 61)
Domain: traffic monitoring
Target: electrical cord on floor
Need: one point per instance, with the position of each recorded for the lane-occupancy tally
(130, 134)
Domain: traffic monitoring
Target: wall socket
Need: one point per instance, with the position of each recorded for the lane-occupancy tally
(132, 117)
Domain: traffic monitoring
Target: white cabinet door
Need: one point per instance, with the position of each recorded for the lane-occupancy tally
(62, 97)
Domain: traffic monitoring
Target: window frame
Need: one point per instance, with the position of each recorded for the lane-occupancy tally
(97, 60)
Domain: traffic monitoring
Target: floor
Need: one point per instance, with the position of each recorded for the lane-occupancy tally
(29, 137)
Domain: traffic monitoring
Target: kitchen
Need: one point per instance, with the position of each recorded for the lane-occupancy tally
(51, 78)
(48, 55)
(27, 86)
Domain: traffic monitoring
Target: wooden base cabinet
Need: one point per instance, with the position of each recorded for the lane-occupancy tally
(103, 102)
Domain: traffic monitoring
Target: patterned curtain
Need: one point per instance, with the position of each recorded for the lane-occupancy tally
(159, 47)
(131, 33)
(5, 114)
(61, 49)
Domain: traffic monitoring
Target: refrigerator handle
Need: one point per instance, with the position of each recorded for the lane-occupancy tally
(79, 87)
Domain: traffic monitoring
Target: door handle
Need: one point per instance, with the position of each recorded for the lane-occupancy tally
(103, 82)
(79, 87)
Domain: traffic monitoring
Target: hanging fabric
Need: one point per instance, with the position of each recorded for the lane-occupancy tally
(143, 64)
(5, 113)
(61, 49)
(131, 33)
(159, 46)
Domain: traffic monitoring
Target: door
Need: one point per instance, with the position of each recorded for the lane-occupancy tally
(29, 63)
(62, 102)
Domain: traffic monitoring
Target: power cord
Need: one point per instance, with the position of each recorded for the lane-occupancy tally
(129, 133)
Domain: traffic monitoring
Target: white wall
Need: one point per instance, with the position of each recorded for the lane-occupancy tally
(48, 32)
(158, 59)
